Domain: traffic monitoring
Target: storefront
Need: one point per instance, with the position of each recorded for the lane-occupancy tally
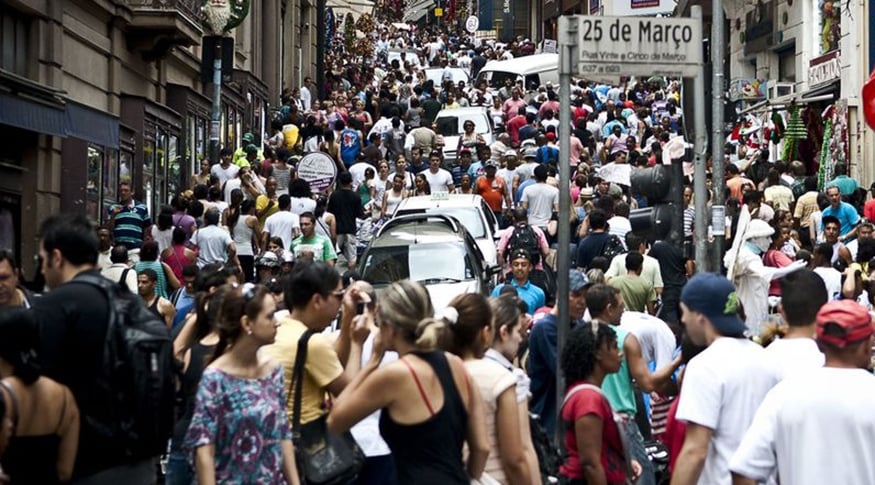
(156, 167)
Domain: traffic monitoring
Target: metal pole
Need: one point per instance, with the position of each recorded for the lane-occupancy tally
(567, 65)
(701, 151)
(717, 141)
(217, 102)
(320, 49)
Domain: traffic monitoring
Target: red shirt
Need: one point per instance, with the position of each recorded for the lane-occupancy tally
(675, 431)
(513, 127)
(869, 210)
(776, 259)
(583, 403)
(492, 191)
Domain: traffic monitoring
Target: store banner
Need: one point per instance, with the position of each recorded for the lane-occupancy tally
(644, 3)
(594, 6)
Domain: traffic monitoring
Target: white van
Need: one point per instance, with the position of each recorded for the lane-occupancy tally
(535, 70)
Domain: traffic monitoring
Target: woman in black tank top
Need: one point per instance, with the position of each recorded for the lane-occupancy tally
(44, 413)
(429, 408)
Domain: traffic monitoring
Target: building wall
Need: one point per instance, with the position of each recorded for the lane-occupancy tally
(84, 48)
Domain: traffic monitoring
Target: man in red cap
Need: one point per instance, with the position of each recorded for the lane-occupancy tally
(819, 427)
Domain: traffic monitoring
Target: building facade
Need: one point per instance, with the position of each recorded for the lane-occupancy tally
(95, 92)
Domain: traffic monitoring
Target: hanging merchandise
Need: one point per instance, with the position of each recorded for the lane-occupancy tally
(869, 100)
(824, 173)
(795, 132)
(778, 128)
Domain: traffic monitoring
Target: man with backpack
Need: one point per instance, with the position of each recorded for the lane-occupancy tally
(119, 271)
(125, 422)
(523, 236)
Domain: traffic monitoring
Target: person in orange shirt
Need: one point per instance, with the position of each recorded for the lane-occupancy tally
(494, 191)
(735, 181)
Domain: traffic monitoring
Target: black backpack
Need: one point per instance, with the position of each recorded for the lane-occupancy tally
(524, 237)
(138, 374)
(613, 247)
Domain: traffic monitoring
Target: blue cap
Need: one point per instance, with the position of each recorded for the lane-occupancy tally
(714, 296)
(577, 280)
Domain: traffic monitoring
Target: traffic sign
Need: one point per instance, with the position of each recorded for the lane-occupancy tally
(472, 24)
(639, 46)
(438, 12)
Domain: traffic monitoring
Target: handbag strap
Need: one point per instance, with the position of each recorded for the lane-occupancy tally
(298, 380)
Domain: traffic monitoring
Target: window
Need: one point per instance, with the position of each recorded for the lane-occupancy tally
(787, 65)
(102, 182)
(14, 41)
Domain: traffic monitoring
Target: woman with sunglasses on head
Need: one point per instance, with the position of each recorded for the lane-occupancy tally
(240, 431)
(469, 138)
(593, 439)
(430, 406)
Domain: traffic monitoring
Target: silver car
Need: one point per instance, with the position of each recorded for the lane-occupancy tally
(450, 124)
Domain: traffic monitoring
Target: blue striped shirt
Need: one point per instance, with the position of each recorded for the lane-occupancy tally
(130, 224)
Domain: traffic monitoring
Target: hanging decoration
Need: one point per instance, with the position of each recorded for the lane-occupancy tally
(869, 100)
(824, 172)
(795, 132)
(349, 32)
(329, 25)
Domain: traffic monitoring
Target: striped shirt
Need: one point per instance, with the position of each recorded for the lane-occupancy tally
(130, 223)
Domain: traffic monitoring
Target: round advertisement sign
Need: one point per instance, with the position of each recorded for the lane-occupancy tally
(318, 169)
(472, 24)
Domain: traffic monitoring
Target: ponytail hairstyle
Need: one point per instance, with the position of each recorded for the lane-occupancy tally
(18, 339)
(407, 306)
(237, 301)
(505, 313)
(472, 314)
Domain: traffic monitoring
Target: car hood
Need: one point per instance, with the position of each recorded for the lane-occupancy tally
(442, 293)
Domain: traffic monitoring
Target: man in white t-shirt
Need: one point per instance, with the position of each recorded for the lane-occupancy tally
(213, 242)
(284, 224)
(723, 385)
(802, 295)
(439, 180)
(831, 277)
(817, 428)
(225, 170)
(658, 342)
(540, 199)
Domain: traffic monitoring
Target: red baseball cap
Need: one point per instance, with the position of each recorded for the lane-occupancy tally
(854, 321)
(551, 136)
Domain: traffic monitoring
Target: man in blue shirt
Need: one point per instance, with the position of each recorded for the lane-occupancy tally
(846, 184)
(844, 212)
(183, 298)
(521, 266)
(543, 351)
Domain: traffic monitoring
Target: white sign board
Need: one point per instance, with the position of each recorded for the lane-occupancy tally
(550, 46)
(472, 24)
(639, 46)
(318, 169)
(618, 173)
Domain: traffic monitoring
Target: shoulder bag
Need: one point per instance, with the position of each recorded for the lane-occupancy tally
(323, 458)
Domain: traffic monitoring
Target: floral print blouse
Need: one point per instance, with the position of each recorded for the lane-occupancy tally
(246, 421)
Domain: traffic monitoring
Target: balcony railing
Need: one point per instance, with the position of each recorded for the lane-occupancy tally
(158, 25)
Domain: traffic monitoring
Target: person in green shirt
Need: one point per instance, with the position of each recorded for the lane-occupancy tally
(638, 294)
(240, 155)
(310, 245)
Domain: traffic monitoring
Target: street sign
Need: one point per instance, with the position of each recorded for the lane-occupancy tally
(472, 24)
(319, 170)
(438, 12)
(639, 46)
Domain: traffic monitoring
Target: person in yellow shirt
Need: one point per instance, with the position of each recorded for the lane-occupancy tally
(266, 204)
(240, 155)
(314, 295)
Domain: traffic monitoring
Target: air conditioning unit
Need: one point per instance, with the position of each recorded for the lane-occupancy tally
(779, 89)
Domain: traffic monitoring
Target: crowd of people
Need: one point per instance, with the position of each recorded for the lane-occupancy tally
(246, 283)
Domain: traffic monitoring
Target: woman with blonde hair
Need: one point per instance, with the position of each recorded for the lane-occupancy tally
(430, 409)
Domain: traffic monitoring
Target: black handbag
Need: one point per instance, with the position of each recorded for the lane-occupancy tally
(323, 458)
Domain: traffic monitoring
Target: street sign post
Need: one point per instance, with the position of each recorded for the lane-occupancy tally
(596, 47)
(639, 46)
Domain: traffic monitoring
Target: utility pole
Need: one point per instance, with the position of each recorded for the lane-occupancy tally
(567, 65)
(718, 211)
(700, 234)
(216, 115)
(321, 34)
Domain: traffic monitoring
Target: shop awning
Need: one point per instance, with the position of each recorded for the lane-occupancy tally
(29, 114)
(89, 124)
(830, 88)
